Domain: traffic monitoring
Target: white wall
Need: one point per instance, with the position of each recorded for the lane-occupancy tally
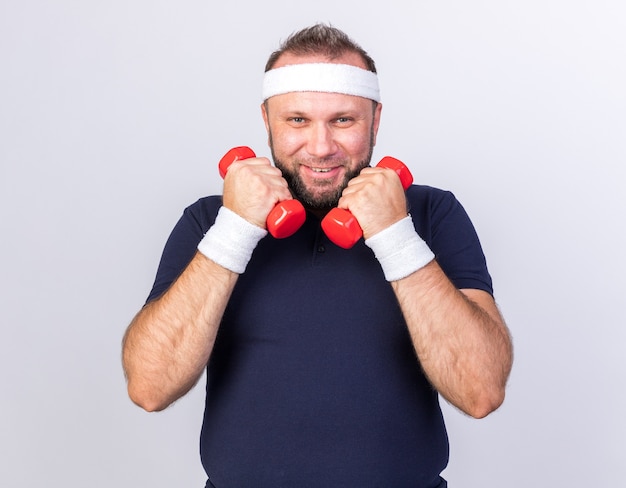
(113, 115)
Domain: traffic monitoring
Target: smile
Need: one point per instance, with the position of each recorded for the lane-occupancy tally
(321, 173)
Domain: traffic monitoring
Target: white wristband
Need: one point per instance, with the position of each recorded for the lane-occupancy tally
(400, 250)
(230, 241)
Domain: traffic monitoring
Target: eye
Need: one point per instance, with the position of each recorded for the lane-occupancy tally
(296, 120)
(344, 120)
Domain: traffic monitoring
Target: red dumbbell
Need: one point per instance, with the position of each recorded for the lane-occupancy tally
(339, 224)
(286, 217)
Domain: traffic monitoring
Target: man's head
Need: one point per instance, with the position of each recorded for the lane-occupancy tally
(321, 109)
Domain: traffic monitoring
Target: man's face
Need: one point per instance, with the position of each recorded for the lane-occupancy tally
(320, 140)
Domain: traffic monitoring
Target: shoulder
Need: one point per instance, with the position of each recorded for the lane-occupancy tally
(428, 196)
(430, 207)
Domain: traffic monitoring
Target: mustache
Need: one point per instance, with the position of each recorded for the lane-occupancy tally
(327, 161)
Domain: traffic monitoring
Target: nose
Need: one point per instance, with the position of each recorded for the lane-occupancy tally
(321, 142)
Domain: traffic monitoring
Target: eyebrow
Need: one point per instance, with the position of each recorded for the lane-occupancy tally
(334, 115)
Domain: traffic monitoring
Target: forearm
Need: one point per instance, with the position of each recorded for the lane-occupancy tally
(460, 339)
(168, 344)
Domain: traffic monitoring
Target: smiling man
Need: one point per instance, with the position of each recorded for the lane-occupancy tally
(324, 365)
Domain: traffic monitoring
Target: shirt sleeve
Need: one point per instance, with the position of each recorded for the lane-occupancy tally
(443, 223)
(183, 241)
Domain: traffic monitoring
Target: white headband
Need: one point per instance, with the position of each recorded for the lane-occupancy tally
(321, 77)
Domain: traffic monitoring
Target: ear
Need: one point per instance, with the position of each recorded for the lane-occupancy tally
(266, 120)
(376, 121)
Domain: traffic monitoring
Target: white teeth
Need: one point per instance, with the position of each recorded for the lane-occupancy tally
(321, 170)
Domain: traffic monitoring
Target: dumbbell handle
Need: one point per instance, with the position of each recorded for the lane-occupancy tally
(286, 217)
(341, 227)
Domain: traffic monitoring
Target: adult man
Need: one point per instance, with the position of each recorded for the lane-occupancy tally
(322, 361)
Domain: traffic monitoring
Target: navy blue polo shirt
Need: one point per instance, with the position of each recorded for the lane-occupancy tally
(313, 380)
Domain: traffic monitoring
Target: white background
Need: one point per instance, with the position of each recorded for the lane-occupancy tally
(114, 114)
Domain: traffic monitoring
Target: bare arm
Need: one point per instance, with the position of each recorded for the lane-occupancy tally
(460, 337)
(168, 344)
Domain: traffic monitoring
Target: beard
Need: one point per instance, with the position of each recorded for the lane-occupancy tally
(325, 195)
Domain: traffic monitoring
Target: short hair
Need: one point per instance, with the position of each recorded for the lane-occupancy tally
(320, 39)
